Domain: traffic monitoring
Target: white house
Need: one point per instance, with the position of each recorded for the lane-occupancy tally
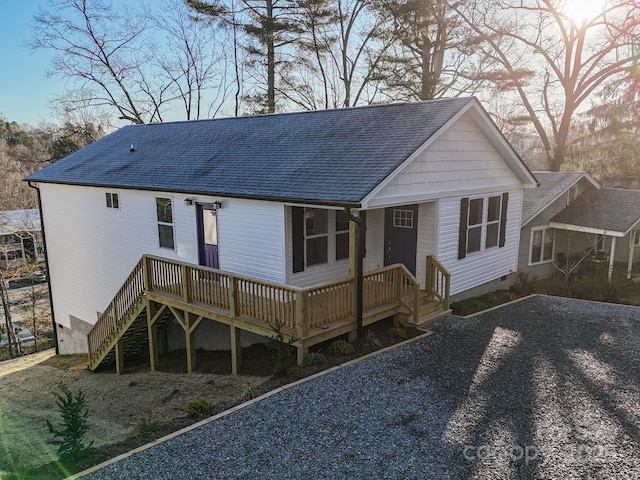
(280, 199)
(20, 238)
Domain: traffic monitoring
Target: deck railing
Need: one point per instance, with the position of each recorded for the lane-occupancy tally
(438, 281)
(239, 297)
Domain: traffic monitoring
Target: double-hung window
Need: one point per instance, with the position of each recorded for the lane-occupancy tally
(483, 223)
(164, 212)
(319, 236)
(113, 200)
(541, 245)
(316, 235)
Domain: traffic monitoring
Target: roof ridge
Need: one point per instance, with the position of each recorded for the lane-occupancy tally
(303, 112)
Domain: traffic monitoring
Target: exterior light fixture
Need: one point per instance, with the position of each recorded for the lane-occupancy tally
(188, 202)
(217, 205)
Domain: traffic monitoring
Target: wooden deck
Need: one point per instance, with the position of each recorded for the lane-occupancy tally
(159, 289)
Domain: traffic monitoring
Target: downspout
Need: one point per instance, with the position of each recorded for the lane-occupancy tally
(46, 263)
(358, 267)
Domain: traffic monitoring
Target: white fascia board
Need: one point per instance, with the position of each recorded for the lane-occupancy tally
(487, 127)
(579, 228)
(436, 195)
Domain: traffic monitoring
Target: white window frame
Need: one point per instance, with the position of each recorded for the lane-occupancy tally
(492, 222)
(542, 229)
(166, 224)
(484, 223)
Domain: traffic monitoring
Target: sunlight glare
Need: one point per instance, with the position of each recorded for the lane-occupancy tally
(583, 10)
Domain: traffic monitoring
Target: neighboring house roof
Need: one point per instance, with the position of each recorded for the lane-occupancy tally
(608, 211)
(13, 221)
(325, 156)
(552, 185)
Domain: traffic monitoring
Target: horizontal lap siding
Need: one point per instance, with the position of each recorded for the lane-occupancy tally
(426, 239)
(460, 159)
(480, 267)
(251, 239)
(375, 240)
(92, 248)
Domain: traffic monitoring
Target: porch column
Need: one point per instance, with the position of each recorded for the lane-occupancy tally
(632, 245)
(612, 255)
(356, 254)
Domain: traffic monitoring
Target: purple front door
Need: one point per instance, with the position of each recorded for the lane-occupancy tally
(401, 236)
(207, 235)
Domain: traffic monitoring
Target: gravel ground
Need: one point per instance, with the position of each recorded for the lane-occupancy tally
(545, 388)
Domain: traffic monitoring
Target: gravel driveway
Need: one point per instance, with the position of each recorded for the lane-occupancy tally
(545, 388)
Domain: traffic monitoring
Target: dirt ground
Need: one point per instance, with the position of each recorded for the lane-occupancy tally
(119, 403)
(116, 403)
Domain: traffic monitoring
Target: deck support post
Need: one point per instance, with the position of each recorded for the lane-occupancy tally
(190, 343)
(119, 357)
(302, 353)
(611, 259)
(152, 336)
(236, 350)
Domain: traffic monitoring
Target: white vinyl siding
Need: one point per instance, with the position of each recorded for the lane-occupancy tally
(480, 267)
(106, 246)
(374, 258)
(460, 160)
(427, 223)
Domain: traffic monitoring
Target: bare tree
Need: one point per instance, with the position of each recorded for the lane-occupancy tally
(430, 56)
(547, 65)
(128, 61)
(338, 56)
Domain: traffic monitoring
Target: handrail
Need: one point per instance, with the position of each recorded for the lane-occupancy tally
(297, 309)
(438, 281)
(111, 319)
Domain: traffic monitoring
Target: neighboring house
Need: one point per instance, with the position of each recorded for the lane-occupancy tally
(571, 219)
(277, 204)
(20, 238)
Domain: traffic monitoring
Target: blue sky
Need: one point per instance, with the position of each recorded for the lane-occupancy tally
(25, 90)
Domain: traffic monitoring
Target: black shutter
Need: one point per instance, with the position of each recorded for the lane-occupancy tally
(297, 223)
(503, 219)
(462, 240)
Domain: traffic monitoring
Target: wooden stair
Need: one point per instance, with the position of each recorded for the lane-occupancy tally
(429, 310)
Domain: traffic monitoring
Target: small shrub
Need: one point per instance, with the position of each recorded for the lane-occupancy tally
(341, 348)
(249, 393)
(283, 352)
(198, 408)
(397, 332)
(370, 339)
(147, 427)
(314, 358)
(69, 436)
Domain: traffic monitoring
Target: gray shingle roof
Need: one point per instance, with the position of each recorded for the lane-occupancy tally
(551, 186)
(324, 156)
(609, 209)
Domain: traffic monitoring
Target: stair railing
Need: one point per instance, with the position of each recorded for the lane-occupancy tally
(438, 281)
